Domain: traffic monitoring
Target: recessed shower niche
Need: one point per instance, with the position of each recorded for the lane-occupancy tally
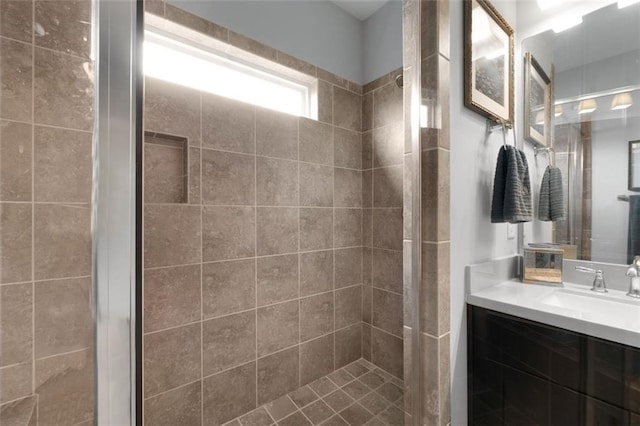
(166, 168)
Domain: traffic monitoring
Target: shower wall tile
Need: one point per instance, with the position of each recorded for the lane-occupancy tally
(16, 20)
(172, 358)
(15, 161)
(316, 316)
(348, 188)
(62, 240)
(62, 165)
(316, 142)
(387, 106)
(387, 228)
(172, 109)
(316, 228)
(228, 232)
(316, 272)
(347, 148)
(16, 80)
(316, 185)
(348, 267)
(228, 341)
(316, 358)
(277, 279)
(278, 374)
(347, 227)
(276, 134)
(64, 26)
(64, 385)
(62, 316)
(388, 187)
(347, 109)
(228, 178)
(16, 382)
(387, 311)
(387, 352)
(387, 270)
(325, 102)
(277, 230)
(16, 321)
(278, 327)
(63, 90)
(172, 235)
(15, 242)
(348, 344)
(228, 125)
(229, 394)
(196, 23)
(172, 297)
(179, 406)
(277, 182)
(228, 287)
(388, 145)
(348, 306)
(164, 173)
(194, 177)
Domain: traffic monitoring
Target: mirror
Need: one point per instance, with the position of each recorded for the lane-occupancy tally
(595, 69)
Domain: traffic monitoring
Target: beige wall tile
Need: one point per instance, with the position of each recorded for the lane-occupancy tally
(367, 227)
(164, 172)
(228, 232)
(316, 272)
(388, 187)
(171, 236)
(62, 316)
(366, 304)
(278, 327)
(16, 381)
(173, 109)
(316, 142)
(325, 102)
(16, 19)
(367, 111)
(388, 144)
(348, 267)
(435, 288)
(15, 242)
(387, 270)
(347, 227)
(367, 188)
(171, 297)
(62, 237)
(228, 341)
(348, 306)
(316, 228)
(66, 26)
(277, 278)
(348, 345)
(22, 412)
(63, 165)
(278, 374)
(387, 352)
(277, 230)
(366, 342)
(70, 375)
(387, 311)
(171, 358)
(347, 148)
(367, 266)
(435, 199)
(228, 125)
(276, 134)
(252, 46)
(367, 150)
(16, 308)
(229, 394)
(16, 80)
(15, 161)
(348, 188)
(295, 63)
(277, 182)
(63, 90)
(181, 406)
(316, 316)
(387, 228)
(177, 15)
(316, 185)
(316, 359)
(347, 109)
(228, 178)
(228, 287)
(194, 179)
(387, 105)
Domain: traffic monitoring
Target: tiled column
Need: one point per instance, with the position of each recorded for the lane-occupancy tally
(433, 292)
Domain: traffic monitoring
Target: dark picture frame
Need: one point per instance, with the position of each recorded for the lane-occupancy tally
(634, 166)
(538, 94)
(488, 62)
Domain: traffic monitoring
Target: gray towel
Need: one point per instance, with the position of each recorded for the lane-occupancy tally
(633, 244)
(551, 202)
(511, 188)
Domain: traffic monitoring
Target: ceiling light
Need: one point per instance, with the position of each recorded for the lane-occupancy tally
(621, 101)
(587, 106)
(559, 111)
(564, 22)
(624, 3)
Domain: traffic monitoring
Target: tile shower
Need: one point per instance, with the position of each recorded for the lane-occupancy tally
(272, 248)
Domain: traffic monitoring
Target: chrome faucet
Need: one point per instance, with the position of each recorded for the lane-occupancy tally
(634, 273)
(598, 282)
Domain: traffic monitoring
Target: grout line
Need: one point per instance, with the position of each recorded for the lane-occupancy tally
(255, 244)
(201, 272)
(299, 243)
(33, 213)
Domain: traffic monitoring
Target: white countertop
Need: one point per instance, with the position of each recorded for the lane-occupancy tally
(614, 316)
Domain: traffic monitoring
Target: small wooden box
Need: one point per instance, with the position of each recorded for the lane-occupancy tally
(542, 265)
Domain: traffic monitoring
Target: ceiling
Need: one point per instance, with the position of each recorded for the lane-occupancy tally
(360, 9)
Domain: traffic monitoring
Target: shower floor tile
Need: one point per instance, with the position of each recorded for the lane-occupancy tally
(358, 394)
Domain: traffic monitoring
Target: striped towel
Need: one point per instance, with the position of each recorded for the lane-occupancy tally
(511, 188)
(551, 202)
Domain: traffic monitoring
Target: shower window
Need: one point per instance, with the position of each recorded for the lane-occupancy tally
(219, 72)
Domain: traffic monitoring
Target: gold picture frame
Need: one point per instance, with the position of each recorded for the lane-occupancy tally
(538, 95)
(488, 62)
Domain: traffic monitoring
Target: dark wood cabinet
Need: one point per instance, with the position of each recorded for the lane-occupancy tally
(527, 373)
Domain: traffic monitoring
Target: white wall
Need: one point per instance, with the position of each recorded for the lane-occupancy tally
(318, 32)
(610, 217)
(473, 238)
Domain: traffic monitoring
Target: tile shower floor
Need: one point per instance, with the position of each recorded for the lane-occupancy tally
(357, 394)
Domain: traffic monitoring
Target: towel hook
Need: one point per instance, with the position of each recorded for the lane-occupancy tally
(551, 154)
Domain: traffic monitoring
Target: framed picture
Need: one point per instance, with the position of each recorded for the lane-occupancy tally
(634, 166)
(488, 62)
(537, 102)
